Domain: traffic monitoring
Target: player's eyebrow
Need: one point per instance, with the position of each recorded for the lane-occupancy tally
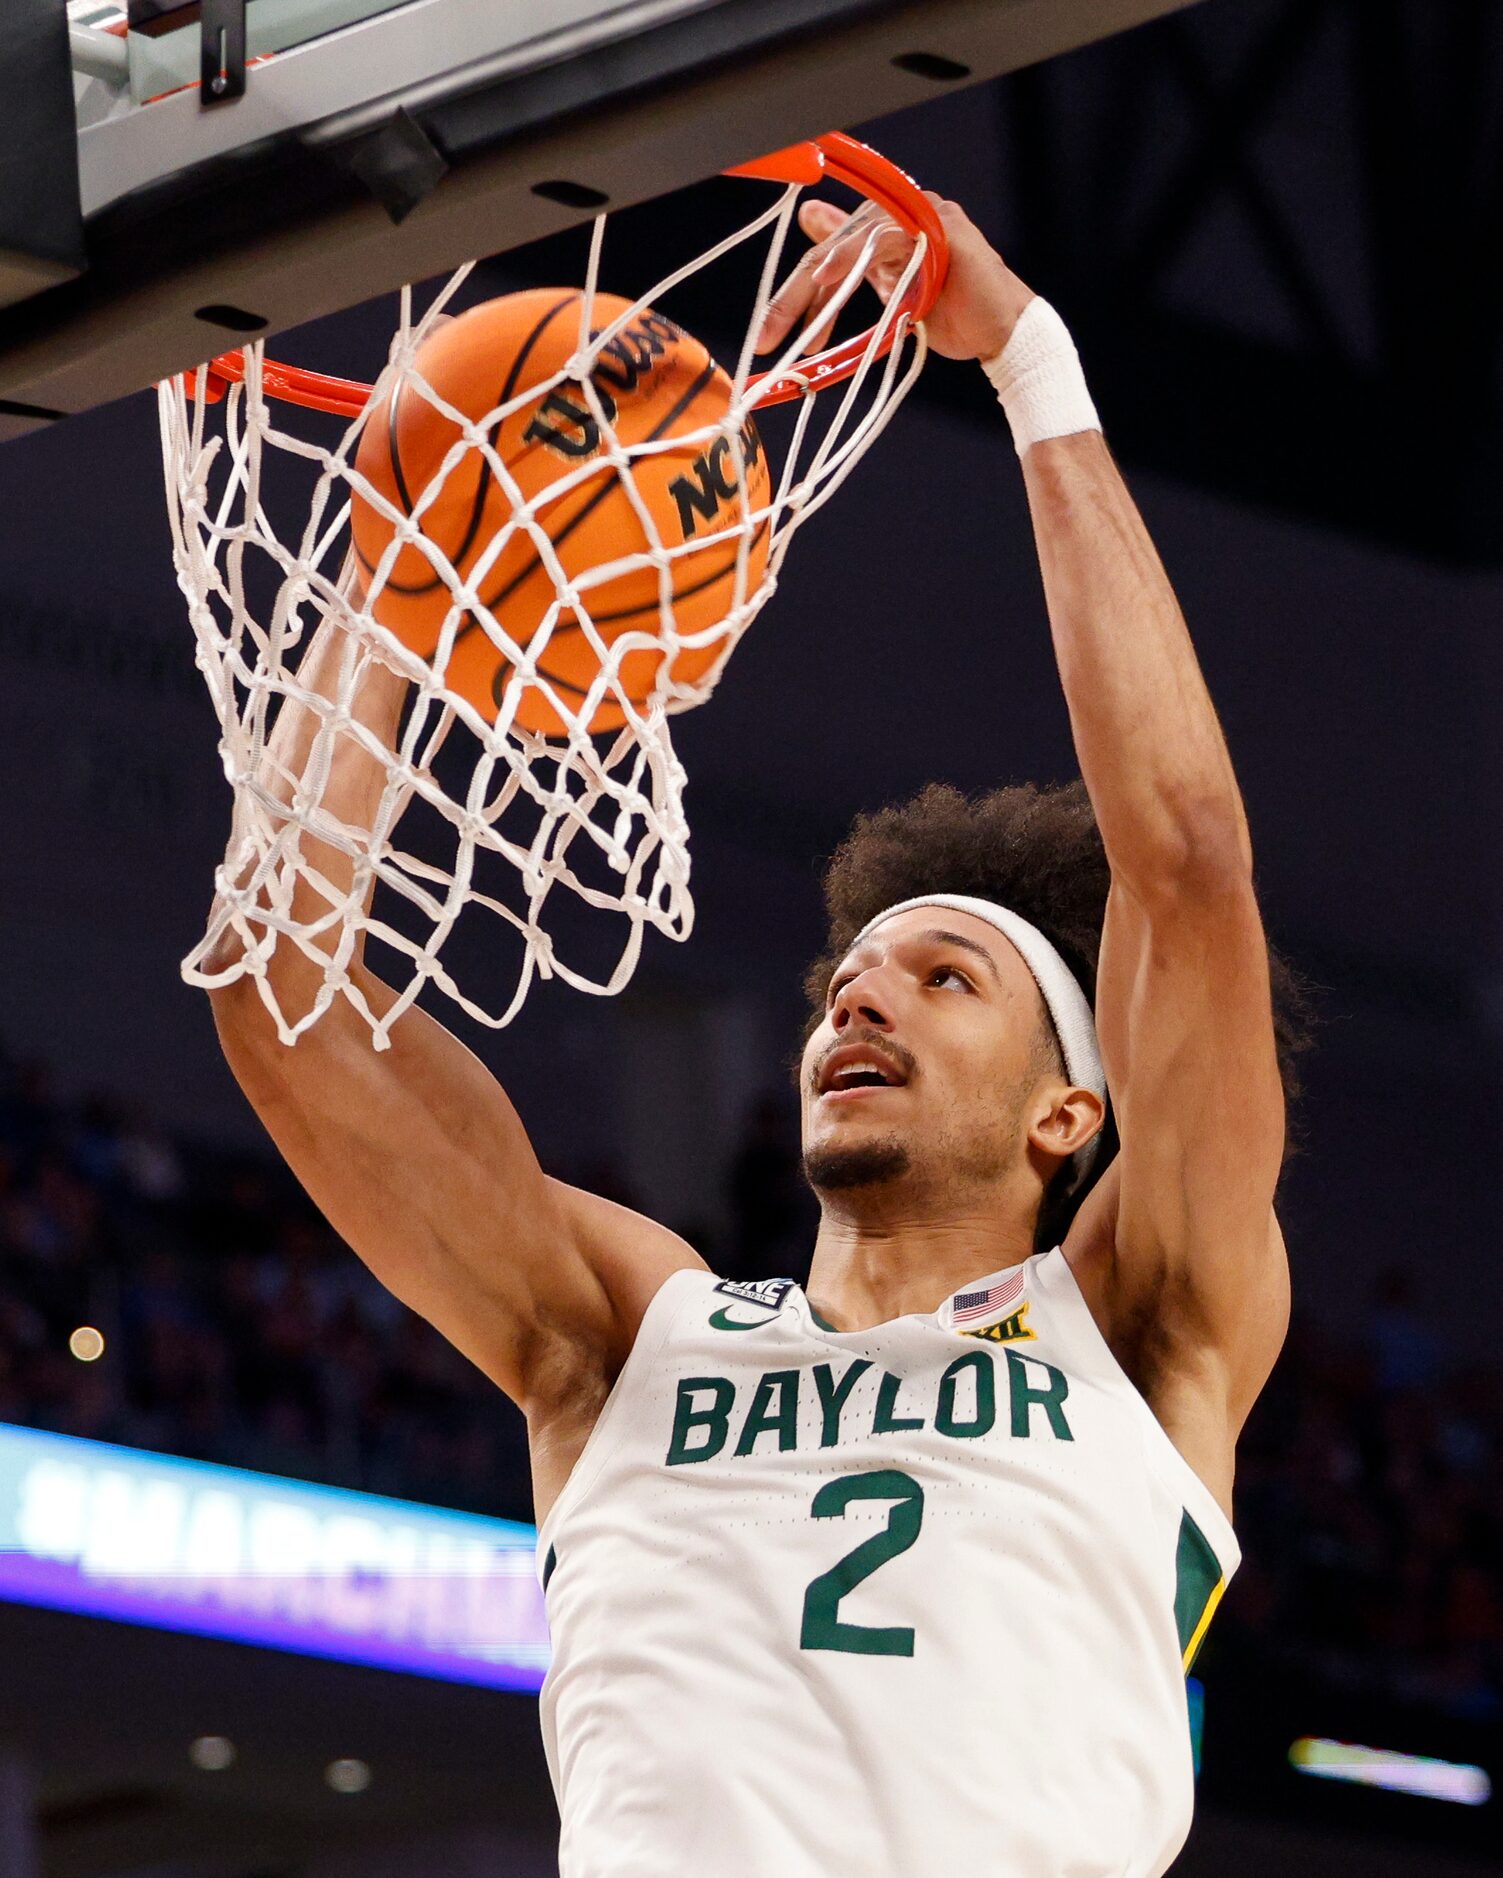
(937, 935)
(941, 936)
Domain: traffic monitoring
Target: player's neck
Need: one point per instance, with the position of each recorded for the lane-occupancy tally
(878, 1263)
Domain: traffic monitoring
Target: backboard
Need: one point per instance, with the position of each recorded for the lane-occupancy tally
(247, 165)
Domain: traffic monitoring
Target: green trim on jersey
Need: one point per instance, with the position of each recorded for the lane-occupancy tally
(1198, 1584)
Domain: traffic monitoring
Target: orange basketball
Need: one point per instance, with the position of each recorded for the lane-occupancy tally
(654, 382)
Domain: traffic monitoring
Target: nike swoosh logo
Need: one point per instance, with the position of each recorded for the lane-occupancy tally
(719, 1321)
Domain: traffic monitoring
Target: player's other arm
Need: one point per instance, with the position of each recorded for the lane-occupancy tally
(1194, 1282)
(414, 1154)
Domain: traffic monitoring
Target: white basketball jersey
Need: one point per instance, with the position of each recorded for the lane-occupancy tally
(904, 1602)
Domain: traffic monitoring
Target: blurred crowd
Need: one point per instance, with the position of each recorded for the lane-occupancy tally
(1370, 1512)
(237, 1328)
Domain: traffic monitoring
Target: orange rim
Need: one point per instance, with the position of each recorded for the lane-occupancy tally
(846, 159)
(836, 157)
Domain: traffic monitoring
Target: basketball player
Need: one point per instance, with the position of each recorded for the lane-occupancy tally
(898, 1576)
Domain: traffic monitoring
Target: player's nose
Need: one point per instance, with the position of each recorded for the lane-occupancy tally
(863, 999)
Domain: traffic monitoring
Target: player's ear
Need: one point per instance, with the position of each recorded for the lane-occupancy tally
(1072, 1117)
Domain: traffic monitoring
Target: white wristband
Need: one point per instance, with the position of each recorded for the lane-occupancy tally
(1039, 379)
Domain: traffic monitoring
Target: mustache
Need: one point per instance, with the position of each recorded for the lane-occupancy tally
(894, 1053)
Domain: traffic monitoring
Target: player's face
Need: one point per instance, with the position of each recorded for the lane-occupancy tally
(924, 1058)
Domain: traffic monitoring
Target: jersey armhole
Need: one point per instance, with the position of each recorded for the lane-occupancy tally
(652, 1334)
(1174, 1473)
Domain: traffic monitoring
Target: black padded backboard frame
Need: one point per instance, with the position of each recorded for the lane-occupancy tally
(41, 222)
(291, 229)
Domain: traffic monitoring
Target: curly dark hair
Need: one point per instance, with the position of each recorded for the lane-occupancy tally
(1034, 849)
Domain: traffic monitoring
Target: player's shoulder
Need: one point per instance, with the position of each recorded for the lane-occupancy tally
(631, 1258)
(630, 1255)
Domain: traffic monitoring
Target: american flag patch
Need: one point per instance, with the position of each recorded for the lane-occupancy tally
(967, 1306)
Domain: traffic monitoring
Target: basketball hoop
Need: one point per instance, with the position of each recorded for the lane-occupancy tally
(593, 800)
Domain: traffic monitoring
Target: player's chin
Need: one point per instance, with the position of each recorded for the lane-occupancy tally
(842, 1164)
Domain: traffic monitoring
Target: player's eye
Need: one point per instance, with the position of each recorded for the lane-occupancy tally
(837, 985)
(950, 974)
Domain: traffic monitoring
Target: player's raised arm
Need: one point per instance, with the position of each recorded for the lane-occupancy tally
(414, 1154)
(1183, 999)
(1188, 1260)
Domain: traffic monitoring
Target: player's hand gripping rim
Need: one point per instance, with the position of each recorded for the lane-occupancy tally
(974, 315)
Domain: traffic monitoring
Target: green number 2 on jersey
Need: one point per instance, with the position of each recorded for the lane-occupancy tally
(823, 1628)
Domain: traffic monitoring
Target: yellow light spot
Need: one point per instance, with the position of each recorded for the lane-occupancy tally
(86, 1344)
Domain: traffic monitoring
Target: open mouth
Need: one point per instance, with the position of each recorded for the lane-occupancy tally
(856, 1068)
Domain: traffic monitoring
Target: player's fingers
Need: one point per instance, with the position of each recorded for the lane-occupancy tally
(886, 246)
(882, 250)
(819, 220)
(840, 240)
(788, 304)
(828, 227)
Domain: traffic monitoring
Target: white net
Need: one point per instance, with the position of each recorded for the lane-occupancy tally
(527, 799)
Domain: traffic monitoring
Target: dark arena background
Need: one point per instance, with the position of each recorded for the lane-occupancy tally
(1273, 226)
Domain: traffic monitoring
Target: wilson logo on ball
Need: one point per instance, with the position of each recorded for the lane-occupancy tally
(566, 423)
(478, 519)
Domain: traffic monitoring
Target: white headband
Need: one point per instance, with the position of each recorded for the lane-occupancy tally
(1069, 1008)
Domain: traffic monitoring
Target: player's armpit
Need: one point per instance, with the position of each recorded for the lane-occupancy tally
(1185, 1017)
(420, 1163)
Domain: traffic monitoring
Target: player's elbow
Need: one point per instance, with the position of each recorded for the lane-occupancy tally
(1201, 854)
